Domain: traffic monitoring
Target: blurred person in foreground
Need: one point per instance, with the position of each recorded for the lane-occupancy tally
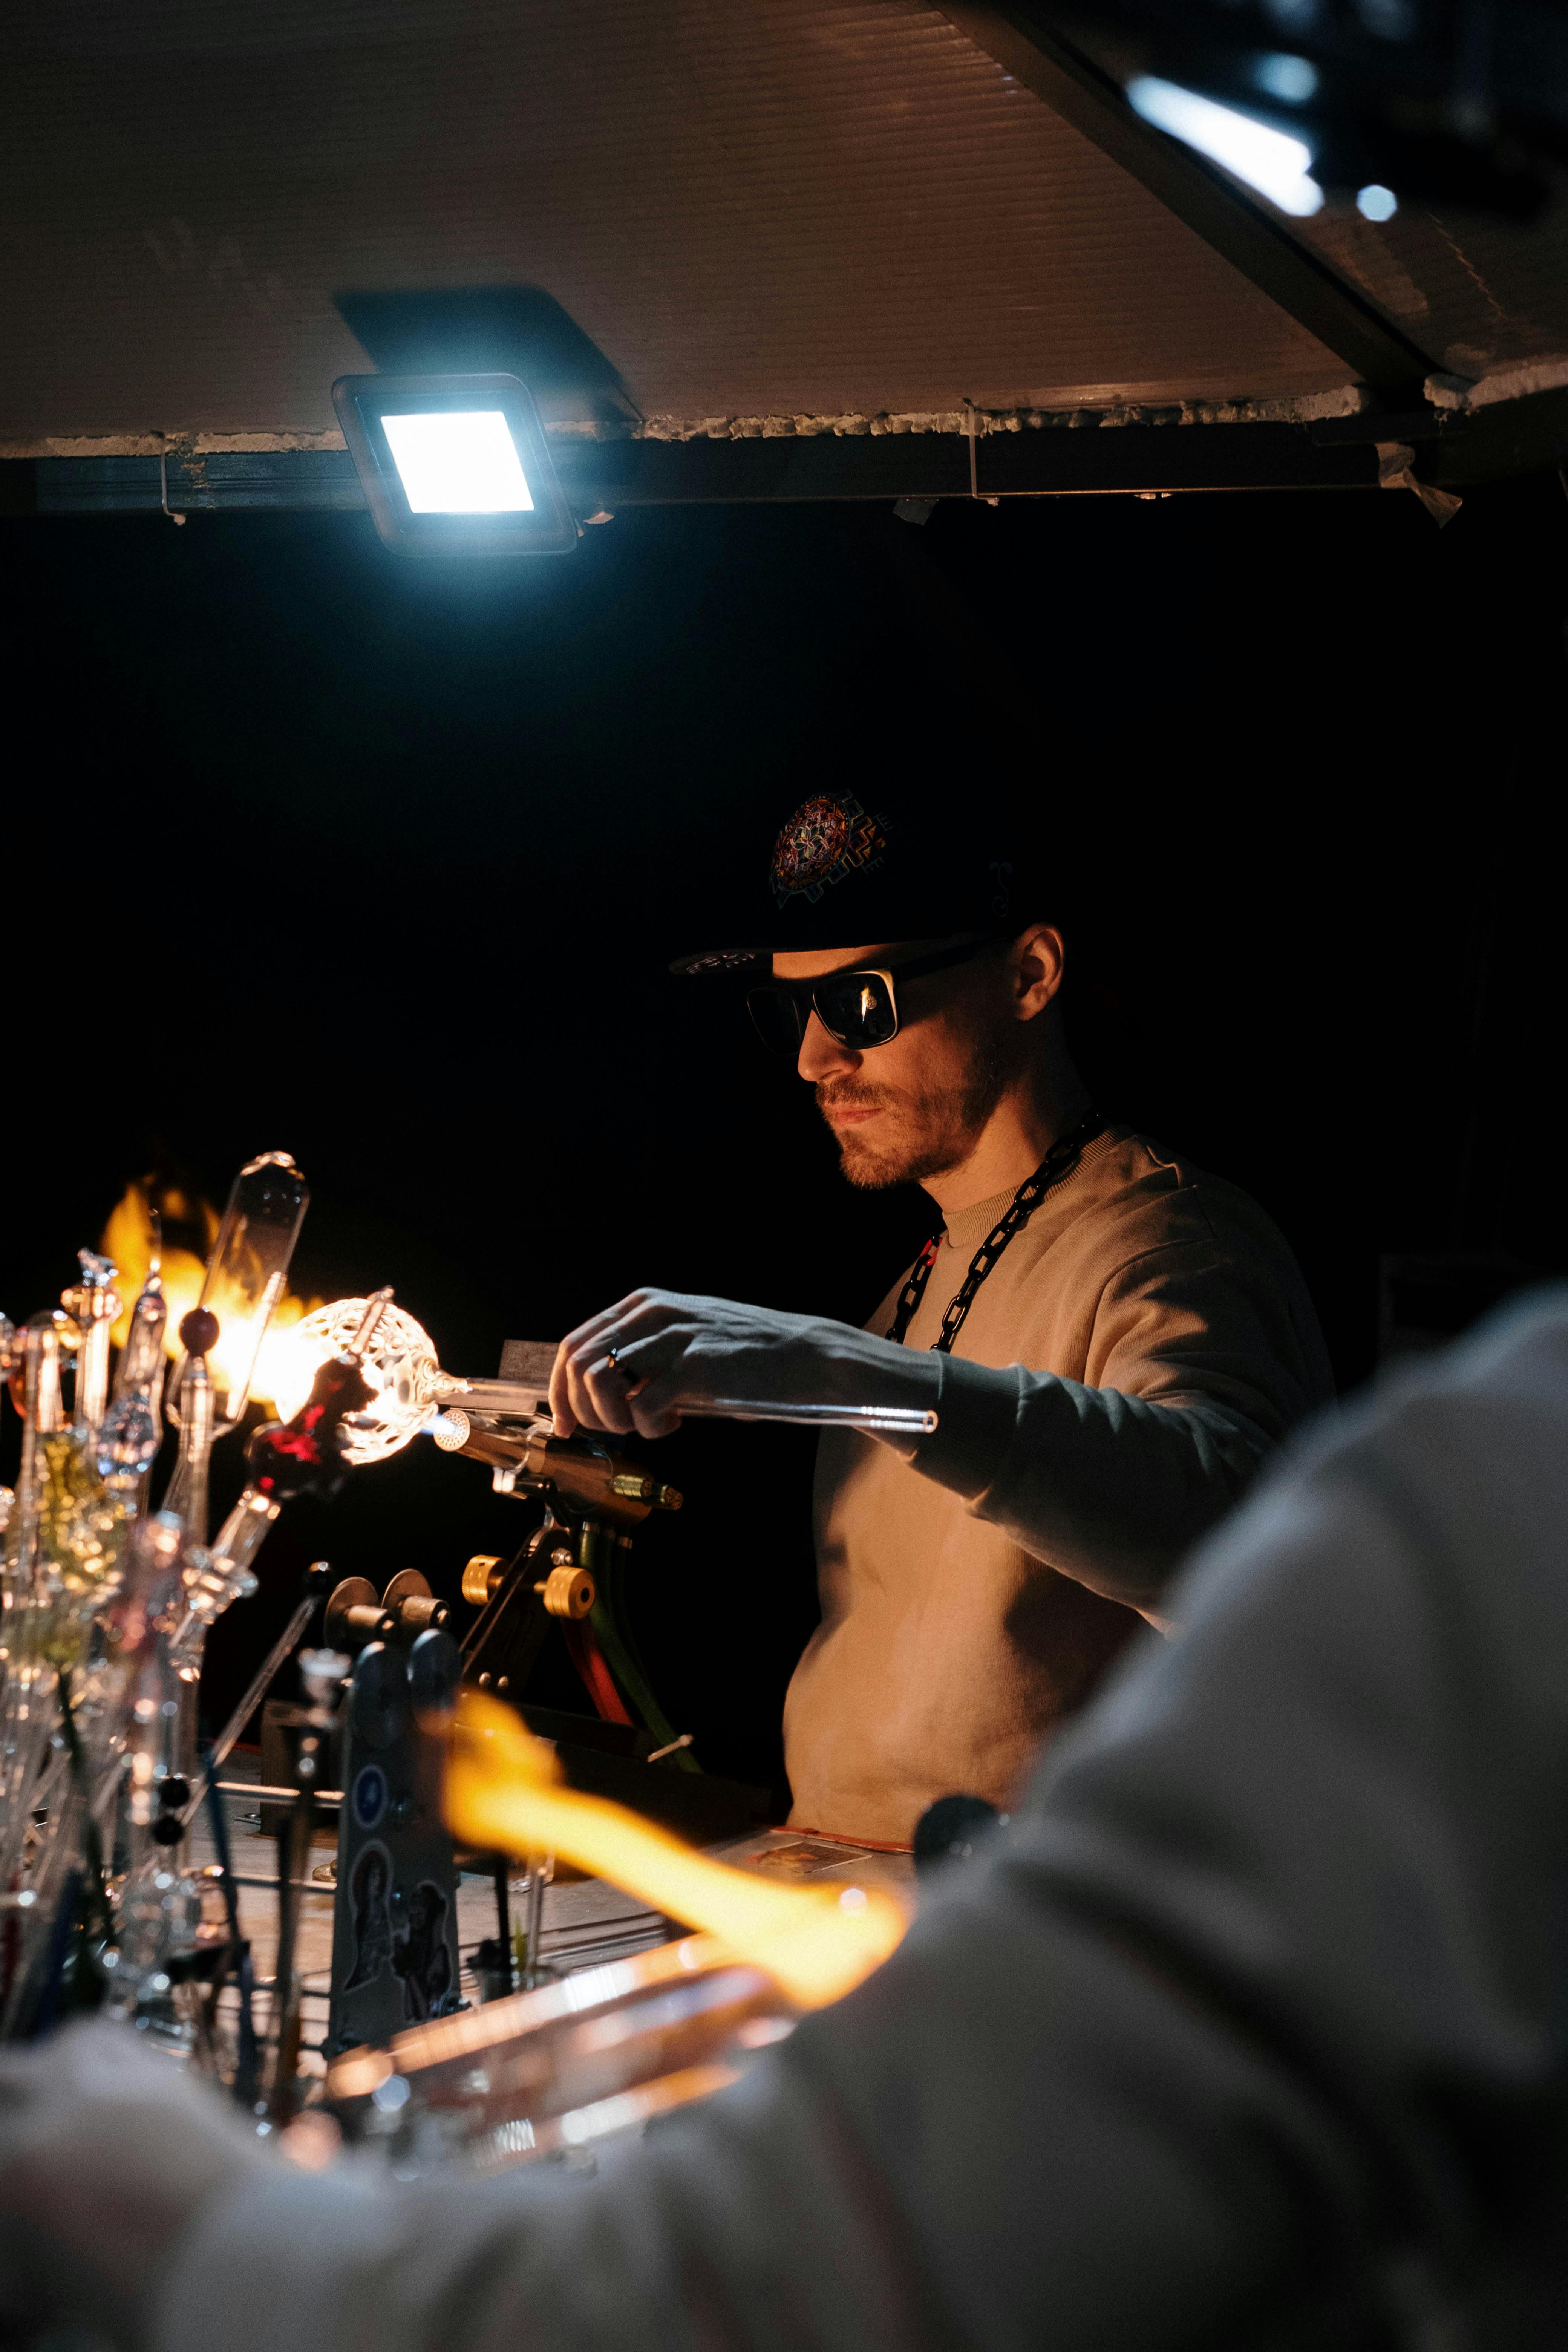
(1250, 2029)
(1112, 1339)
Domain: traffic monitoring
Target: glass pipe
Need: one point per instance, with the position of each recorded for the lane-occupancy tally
(9, 1360)
(887, 1419)
(400, 1371)
(144, 1622)
(40, 1402)
(80, 1537)
(94, 1304)
(222, 1335)
(194, 1416)
(215, 1578)
(63, 1546)
(62, 1566)
(158, 1927)
(129, 1431)
(249, 1268)
(26, 1711)
(305, 1454)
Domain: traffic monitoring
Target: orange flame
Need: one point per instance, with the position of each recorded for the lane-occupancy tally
(127, 1239)
(504, 1793)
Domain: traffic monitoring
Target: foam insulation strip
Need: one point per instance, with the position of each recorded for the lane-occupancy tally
(1460, 393)
(1349, 400)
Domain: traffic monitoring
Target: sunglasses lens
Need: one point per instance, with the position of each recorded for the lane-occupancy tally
(856, 1007)
(780, 1021)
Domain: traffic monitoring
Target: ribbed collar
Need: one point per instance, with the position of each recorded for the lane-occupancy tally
(968, 1228)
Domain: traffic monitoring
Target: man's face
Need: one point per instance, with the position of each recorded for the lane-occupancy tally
(915, 1106)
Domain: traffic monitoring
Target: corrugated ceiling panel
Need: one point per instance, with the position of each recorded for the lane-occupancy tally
(1477, 293)
(797, 207)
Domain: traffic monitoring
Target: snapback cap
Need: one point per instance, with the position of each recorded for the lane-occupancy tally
(844, 873)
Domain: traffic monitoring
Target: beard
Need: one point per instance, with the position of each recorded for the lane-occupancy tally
(922, 1133)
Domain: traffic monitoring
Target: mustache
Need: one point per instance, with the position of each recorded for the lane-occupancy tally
(853, 1094)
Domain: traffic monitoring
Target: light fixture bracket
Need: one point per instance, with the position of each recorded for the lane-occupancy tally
(546, 527)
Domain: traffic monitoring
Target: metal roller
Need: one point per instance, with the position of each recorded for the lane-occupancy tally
(354, 1616)
(410, 1602)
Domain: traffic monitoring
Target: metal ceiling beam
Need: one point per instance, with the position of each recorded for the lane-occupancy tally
(1515, 437)
(1210, 203)
(1048, 462)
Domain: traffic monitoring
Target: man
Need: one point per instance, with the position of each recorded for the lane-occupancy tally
(1112, 1340)
(1250, 2029)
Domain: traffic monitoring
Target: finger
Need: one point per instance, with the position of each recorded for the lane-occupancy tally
(563, 1420)
(586, 1381)
(608, 1389)
(570, 1405)
(566, 1398)
(602, 1380)
(653, 1420)
(583, 1400)
(652, 1402)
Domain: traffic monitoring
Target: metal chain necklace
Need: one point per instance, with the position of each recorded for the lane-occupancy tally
(1062, 1157)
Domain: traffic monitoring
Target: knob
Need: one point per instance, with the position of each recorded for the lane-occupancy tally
(481, 1577)
(568, 1591)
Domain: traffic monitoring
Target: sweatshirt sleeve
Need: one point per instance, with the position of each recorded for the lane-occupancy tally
(1254, 2016)
(1200, 1363)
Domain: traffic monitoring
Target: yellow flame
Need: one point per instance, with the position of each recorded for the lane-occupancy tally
(128, 1240)
(504, 1793)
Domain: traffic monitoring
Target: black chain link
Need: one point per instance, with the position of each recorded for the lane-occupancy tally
(1059, 1162)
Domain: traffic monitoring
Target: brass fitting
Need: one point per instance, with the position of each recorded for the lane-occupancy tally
(568, 1591)
(639, 1489)
(481, 1577)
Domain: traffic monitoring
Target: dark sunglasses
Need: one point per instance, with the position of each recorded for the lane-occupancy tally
(857, 1008)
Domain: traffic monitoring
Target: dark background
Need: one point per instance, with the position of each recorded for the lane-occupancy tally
(380, 863)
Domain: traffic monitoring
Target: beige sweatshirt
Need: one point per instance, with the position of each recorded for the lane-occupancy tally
(1138, 1349)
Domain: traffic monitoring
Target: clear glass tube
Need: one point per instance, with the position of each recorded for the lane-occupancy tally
(249, 1267)
(187, 1488)
(63, 1564)
(95, 1304)
(215, 1580)
(129, 1433)
(887, 1419)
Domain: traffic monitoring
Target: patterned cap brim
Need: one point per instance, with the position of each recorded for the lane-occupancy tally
(722, 960)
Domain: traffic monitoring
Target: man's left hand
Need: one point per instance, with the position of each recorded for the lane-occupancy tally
(623, 1371)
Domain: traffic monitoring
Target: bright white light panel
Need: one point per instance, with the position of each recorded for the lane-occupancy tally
(459, 461)
(1270, 161)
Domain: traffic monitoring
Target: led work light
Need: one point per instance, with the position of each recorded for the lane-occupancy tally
(454, 464)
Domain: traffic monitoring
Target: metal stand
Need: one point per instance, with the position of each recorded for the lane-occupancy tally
(310, 1743)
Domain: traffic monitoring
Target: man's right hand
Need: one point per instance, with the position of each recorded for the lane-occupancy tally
(623, 1371)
